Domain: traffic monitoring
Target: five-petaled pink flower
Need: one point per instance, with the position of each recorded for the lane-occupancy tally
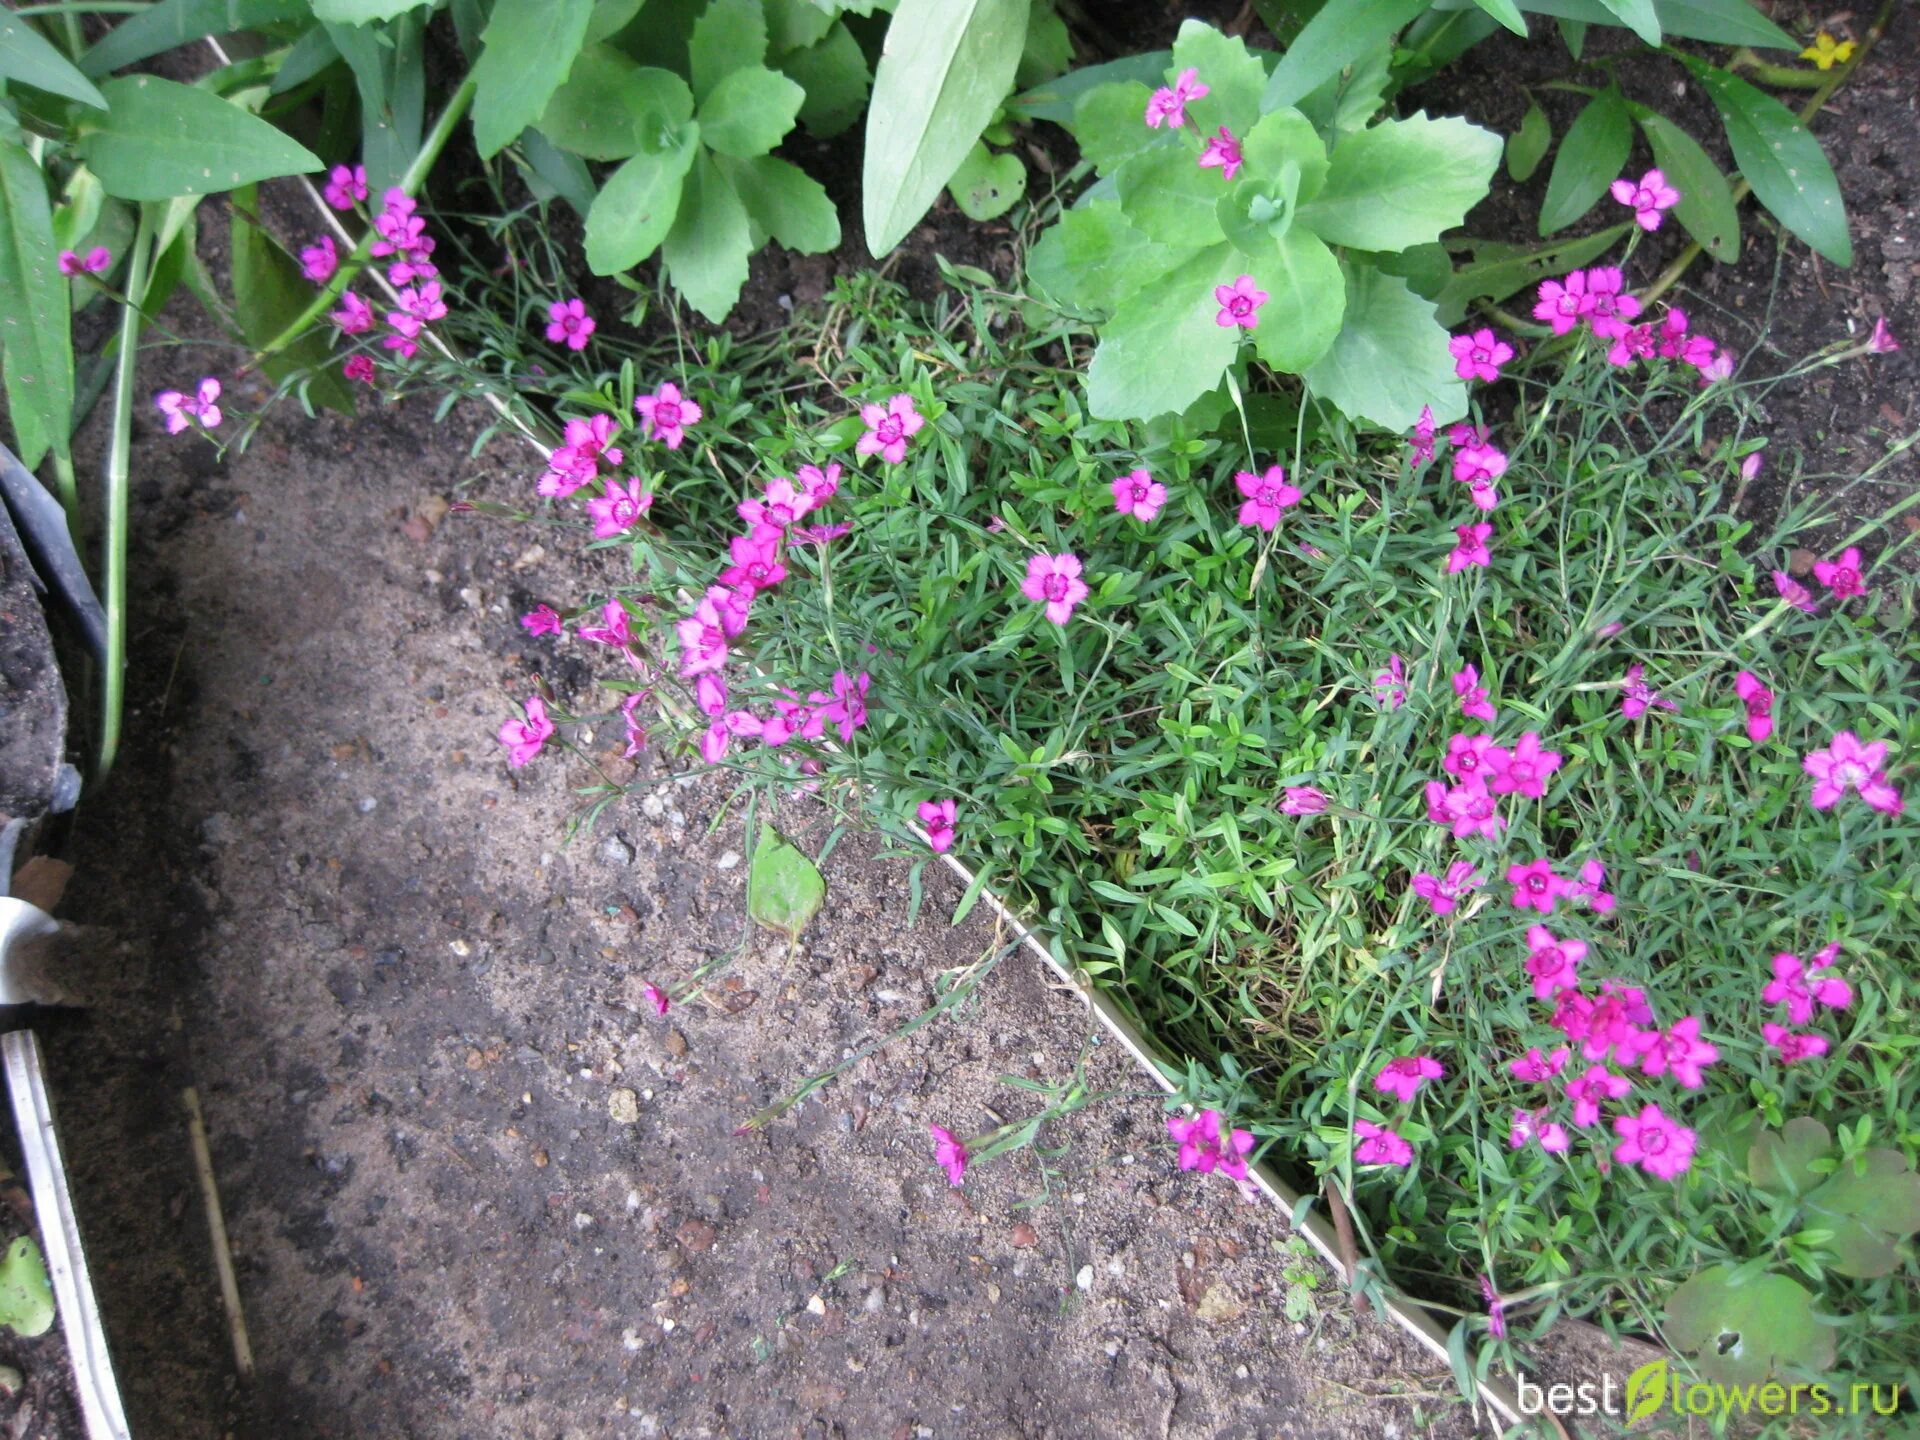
(202, 405)
(544, 620)
(1552, 962)
(320, 260)
(889, 427)
(620, 509)
(756, 561)
(1678, 1050)
(1658, 1145)
(1420, 447)
(1054, 580)
(1881, 341)
(703, 643)
(1239, 303)
(849, 708)
(1636, 696)
(1222, 153)
(525, 738)
(1536, 887)
(1168, 104)
(1793, 1047)
(936, 818)
(1208, 1144)
(1138, 494)
(1402, 1078)
(667, 414)
(656, 997)
(1719, 368)
(1759, 702)
(1794, 593)
(1537, 1068)
(1478, 467)
(569, 324)
(359, 367)
(95, 262)
(1647, 198)
(1794, 986)
(949, 1154)
(1842, 576)
(1534, 1125)
(1472, 548)
(1380, 1145)
(1593, 875)
(1444, 894)
(1473, 696)
(354, 317)
(1479, 356)
(1467, 809)
(782, 503)
(1847, 764)
(1591, 1090)
(1524, 769)
(1266, 496)
(1304, 800)
(345, 185)
(1564, 303)
(1390, 685)
(1611, 310)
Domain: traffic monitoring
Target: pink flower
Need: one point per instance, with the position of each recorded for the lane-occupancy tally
(1647, 198)
(1719, 368)
(1613, 1021)
(1533, 1125)
(201, 405)
(319, 260)
(636, 732)
(423, 303)
(359, 367)
(710, 695)
(1266, 496)
(1138, 494)
(849, 710)
(1793, 986)
(656, 997)
(1759, 702)
(1055, 581)
(1750, 467)
(354, 317)
(1552, 962)
(1658, 1145)
(1421, 446)
(615, 629)
(782, 503)
(1168, 104)
(1847, 764)
(1472, 548)
(817, 485)
(1678, 1050)
(1403, 1077)
(1467, 809)
(1478, 467)
(949, 1154)
(889, 427)
(577, 461)
(1536, 887)
(1612, 311)
(1496, 1309)
(345, 185)
(1525, 769)
(732, 603)
(703, 644)
(936, 818)
(1222, 153)
(817, 535)
(1239, 304)
(619, 510)
(544, 620)
(1445, 895)
(1536, 1068)
(1207, 1144)
(1587, 888)
(1636, 696)
(1677, 344)
(98, 260)
(1380, 1146)
(1479, 356)
(667, 415)
(1466, 757)
(1473, 696)
(569, 324)
(406, 330)
(1303, 800)
(797, 718)
(756, 561)
(1841, 576)
(1637, 343)
(524, 738)
(1794, 593)
(1793, 1048)
(1881, 341)
(1390, 685)
(1592, 1090)
(1564, 303)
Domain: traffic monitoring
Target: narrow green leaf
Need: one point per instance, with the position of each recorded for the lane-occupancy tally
(27, 58)
(1340, 34)
(1057, 99)
(1719, 22)
(785, 202)
(1390, 358)
(389, 73)
(1638, 16)
(728, 36)
(170, 23)
(362, 12)
(1528, 145)
(1507, 13)
(1706, 205)
(562, 172)
(749, 111)
(636, 208)
(1402, 182)
(35, 338)
(784, 889)
(1591, 157)
(526, 51)
(1781, 160)
(707, 250)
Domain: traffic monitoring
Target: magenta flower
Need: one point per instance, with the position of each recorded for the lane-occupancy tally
(319, 260)
(1658, 1145)
(1793, 986)
(1303, 800)
(1054, 580)
(782, 503)
(817, 535)
(1222, 153)
(620, 509)
(1636, 696)
(354, 317)
(1719, 368)
(1611, 1022)
(1380, 1146)
(525, 738)
(96, 262)
(577, 461)
(1525, 769)
(1421, 446)
(1750, 467)
(406, 331)
(615, 629)
(1590, 1091)
(1168, 104)
(1207, 1144)
(936, 818)
(1536, 1068)
(1496, 1309)
(1612, 311)
(180, 409)
(544, 620)
(710, 695)
(1472, 548)
(1445, 894)
(1677, 344)
(359, 367)
(756, 561)
(630, 718)
(1535, 886)
(889, 427)
(1403, 1077)
(1390, 685)
(1551, 961)
(817, 485)
(1533, 1125)
(797, 718)
(1637, 343)
(1478, 467)
(656, 997)
(667, 414)
(1564, 303)
(1794, 593)
(849, 708)
(1759, 702)
(569, 324)
(703, 644)
(1466, 757)
(1793, 1048)
(1678, 1050)
(1847, 764)
(1138, 494)
(345, 185)
(1239, 304)
(732, 603)
(1473, 696)
(949, 1154)
(1467, 809)
(1841, 576)
(1479, 356)
(1266, 496)
(1881, 341)
(1593, 875)
(1648, 198)
(423, 303)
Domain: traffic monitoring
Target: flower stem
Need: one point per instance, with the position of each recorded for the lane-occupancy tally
(113, 680)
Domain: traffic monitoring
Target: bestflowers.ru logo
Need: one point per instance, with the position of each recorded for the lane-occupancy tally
(1655, 1391)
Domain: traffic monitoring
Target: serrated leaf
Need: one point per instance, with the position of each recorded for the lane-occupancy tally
(1390, 358)
(1402, 182)
(1163, 349)
(1528, 145)
(1340, 34)
(730, 35)
(1094, 257)
(35, 336)
(784, 888)
(749, 111)
(785, 202)
(28, 58)
(1306, 300)
(1781, 161)
(611, 108)
(1170, 198)
(1591, 158)
(796, 24)
(835, 76)
(1106, 124)
(1706, 205)
(526, 51)
(1234, 78)
(176, 22)
(987, 185)
(1049, 46)
(707, 250)
(26, 1299)
(637, 206)
(1739, 1332)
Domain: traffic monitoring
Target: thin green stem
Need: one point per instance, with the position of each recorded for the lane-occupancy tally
(113, 687)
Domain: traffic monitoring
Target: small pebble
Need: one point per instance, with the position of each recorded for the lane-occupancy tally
(1085, 1278)
(816, 1306)
(728, 859)
(624, 1106)
(368, 805)
(876, 1298)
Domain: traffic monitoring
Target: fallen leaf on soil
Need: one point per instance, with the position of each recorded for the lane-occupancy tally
(1220, 1305)
(1024, 1236)
(743, 1001)
(676, 1045)
(695, 1235)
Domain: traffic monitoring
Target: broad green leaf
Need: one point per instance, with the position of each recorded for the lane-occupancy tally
(1107, 125)
(526, 51)
(1591, 157)
(1348, 101)
(1233, 77)
(987, 185)
(730, 35)
(1057, 99)
(27, 58)
(1390, 359)
(560, 171)
(1638, 16)
(749, 111)
(35, 336)
(1498, 270)
(269, 293)
(610, 17)
(1869, 1210)
(1781, 161)
(160, 140)
(1306, 301)
(611, 108)
(1507, 13)
(1706, 205)
(1048, 50)
(307, 57)
(1402, 182)
(1719, 22)
(175, 22)
(946, 67)
(796, 24)
(1782, 1161)
(1740, 1333)
(785, 202)
(362, 12)
(1343, 32)
(784, 889)
(26, 1299)
(1528, 145)
(835, 76)
(1094, 258)
(1170, 197)
(707, 250)
(1286, 136)
(637, 206)
(1425, 268)
(1163, 349)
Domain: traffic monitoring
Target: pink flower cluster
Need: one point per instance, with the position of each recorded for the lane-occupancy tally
(1207, 1143)
(1797, 986)
(1597, 298)
(203, 406)
(402, 240)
